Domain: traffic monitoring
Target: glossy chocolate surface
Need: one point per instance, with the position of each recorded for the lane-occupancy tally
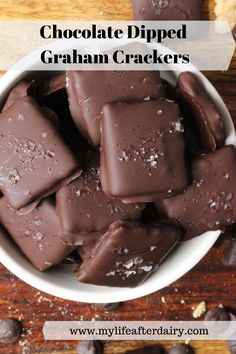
(210, 202)
(34, 159)
(84, 208)
(202, 110)
(88, 91)
(36, 233)
(167, 10)
(128, 253)
(142, 156)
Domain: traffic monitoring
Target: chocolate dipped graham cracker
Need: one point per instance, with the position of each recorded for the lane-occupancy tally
(34, 160)
(199, 107)
(88, 91)
(85, 210)
(128, 253)
(142, 156)
(52, 93)
(210, 202)
(167, 10)
(36, 233)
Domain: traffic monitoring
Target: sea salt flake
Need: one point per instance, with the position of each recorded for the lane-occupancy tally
(128, 273)
(37, 221)
(128, 264)
(226, 175)
(179, 127)
(38, 236)
(146, 268)
(78, 193)
(212, 204)
(21, 116)
(138, 261)
(14, 176)
(49, 154)
(152, 248)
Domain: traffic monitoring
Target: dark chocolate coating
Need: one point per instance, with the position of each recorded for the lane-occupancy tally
(128, 253)
(88, 91)
(229, 259)
(110, 307)
(217, 314)
(52, 85)
(152, 349)
(36, 233)
(150, 214)
(21, 89)
(10, 330)
(85, 250)
(169, 90)
(202, 110)
(84, 208)
(181, 349)
(167, 10)
(73, 258)
(34, 159)
(53, 95)
(142, 157)
(90, 347)
(51, 116)
(210, 202)
(81, 239)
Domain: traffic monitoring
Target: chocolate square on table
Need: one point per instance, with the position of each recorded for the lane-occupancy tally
(34, 160)
(88, 91)
(167, 10)
(37, 233)
(128, 253)
(142, 157)
(85, 210)
(210, 202)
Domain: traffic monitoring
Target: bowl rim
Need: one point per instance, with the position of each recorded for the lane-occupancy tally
(20, 266)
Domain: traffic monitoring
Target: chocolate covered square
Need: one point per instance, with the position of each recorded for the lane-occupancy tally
(128, 253)
(37, 233)
(210, 202)
(34, 160)
(85, 210)
(201, 114)
(142, 156)
(88, 91)
(167, 10)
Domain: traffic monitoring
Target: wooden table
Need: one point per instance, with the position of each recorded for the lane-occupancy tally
(209, 281)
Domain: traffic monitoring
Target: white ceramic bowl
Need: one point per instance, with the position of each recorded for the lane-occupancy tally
(61, 281)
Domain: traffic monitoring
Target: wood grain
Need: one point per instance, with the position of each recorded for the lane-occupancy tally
(209, 281)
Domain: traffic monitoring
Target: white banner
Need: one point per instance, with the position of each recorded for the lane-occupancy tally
(139, 330)
(60, 45)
